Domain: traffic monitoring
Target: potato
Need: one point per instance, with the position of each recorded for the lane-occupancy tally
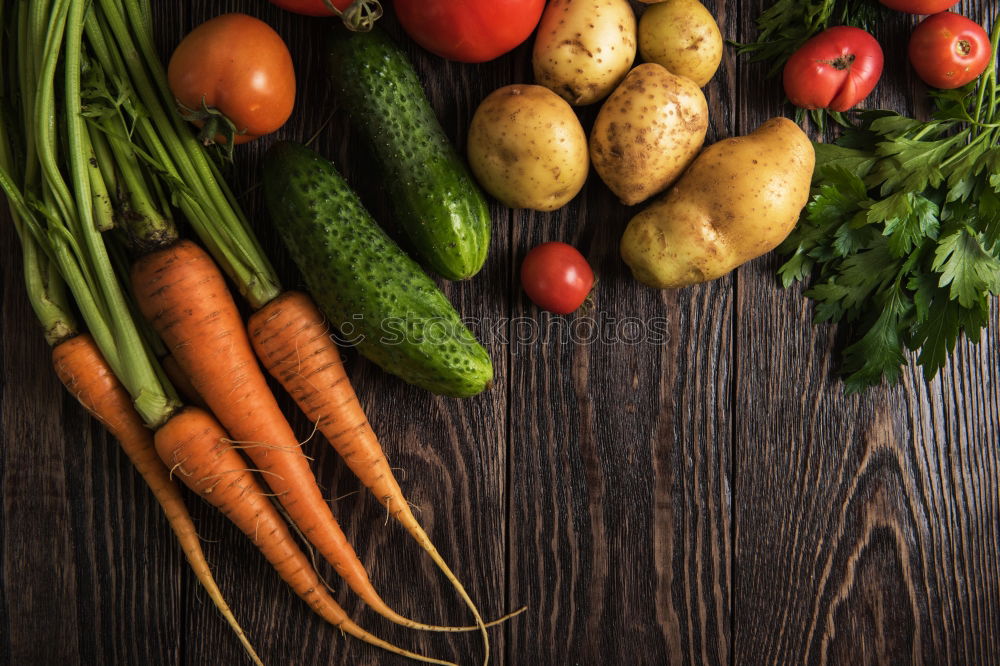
(682, 36)
(527, 148)
(648, 132)
(584, 48)
(739, 199)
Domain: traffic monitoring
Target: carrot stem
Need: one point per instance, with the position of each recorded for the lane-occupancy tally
(135, 369)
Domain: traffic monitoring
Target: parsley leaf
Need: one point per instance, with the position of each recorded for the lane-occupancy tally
(901, 237)
(965, 264)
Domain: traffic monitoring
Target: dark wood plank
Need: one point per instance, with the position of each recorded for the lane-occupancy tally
(620, 517)
(866, 526)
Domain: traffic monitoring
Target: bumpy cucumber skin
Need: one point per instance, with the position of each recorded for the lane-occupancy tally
(435, 200)
(376, 295)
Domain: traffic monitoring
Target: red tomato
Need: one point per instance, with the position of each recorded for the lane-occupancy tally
(357, 14)
(233, 67)
(949, 50)
(556, 277)
(835, 70)
(469, 30)
(919, 6)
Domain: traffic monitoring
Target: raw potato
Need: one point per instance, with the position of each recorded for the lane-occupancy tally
(739, 199)
(648, 132)
(682, 36)
(584, 48)
(527, 148)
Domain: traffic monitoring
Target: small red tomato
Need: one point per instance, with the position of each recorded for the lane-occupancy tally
(556, 277)
(949, 50)
(919, 6)
(233, 76)
(469, 30)
(836, 69)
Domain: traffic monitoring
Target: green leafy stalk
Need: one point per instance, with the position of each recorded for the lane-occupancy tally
(901, 236)
(45, 287)
(55, 205)
(135, 371)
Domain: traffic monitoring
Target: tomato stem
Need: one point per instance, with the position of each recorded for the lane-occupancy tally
(843, 62)
(213, 123)
(360, 16)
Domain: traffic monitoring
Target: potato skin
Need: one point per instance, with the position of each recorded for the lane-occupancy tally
(681, 35)
(648, 132)
(527, 148)
(584, 48)
(739, 199)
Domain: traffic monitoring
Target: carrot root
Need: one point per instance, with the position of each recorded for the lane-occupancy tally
(292, 340)
(194, 445)
(82, 369)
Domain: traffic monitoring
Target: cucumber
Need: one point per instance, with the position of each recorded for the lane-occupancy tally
(378, 297)
(434, 199)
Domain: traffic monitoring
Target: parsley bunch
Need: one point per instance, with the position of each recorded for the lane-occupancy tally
(902, 232)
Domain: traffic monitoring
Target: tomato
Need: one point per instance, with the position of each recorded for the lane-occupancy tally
(469, 30)
(835, 70)
(949, 50)
(233, 76)
(357, 14)
(919, 6)
(556, 277)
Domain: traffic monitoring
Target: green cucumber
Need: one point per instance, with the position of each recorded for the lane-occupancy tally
(435, 200)
(378, 297)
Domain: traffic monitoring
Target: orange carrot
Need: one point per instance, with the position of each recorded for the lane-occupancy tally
(182, 293)
(83, 370)
(292, 340)
(200, 454)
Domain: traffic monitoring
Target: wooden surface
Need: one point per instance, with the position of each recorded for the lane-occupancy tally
(707, 497)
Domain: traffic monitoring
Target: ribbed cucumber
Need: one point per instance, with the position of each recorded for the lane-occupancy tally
(434, 198)
(375, 294)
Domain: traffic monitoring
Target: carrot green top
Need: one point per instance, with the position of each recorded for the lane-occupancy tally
(57, 207)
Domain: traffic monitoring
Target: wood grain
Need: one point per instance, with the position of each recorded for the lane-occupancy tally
(866, 527)
(668, 477)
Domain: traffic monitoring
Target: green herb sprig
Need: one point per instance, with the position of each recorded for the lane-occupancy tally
(901, 236)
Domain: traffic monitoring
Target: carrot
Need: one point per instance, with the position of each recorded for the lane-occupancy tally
(200, 454)
(181, 291)
(292, 340)
(82, 369)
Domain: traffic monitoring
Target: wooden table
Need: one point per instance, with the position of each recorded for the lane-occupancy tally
(708, 497)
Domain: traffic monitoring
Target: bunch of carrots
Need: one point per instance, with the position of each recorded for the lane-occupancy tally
(96, 164)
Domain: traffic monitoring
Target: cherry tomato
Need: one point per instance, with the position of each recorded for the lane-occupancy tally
(233, 76)
(835, 70)
(556, 277)
(948, 50)
(357, 14)
(469, 30)
(919, 6)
